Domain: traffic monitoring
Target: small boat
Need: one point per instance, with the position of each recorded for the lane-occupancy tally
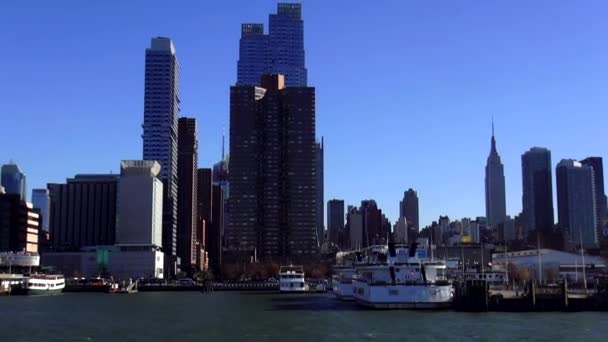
(413, 284)
(291, 279)
(41, 284)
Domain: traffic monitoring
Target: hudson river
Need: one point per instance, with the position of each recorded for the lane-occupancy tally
(253, 316)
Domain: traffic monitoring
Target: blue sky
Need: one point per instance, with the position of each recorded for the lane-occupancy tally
(405, 89)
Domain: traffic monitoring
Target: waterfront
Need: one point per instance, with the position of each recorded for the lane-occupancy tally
(193, 316)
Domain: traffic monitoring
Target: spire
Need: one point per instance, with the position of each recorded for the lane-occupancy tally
(493, 149)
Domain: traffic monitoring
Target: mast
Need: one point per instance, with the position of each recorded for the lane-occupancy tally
(580, 234)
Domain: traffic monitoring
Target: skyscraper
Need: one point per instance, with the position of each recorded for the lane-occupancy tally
(272, 169)
(281, 51)
(537, 198)
(160, 129)
(41, 200)
(320, 194)
(13, 180)
(408, 208)
(576, 202)
(140, 204)
(374, 228)
(496, 211)
(83, 212)
(216, 230)
(335, 219)
(354, 222)
(600, 197)
(187, 165)
(204, 198)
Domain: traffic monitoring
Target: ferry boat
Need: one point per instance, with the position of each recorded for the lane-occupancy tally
(397, 284)
(291, 279)
(342, 283)
(41, 284)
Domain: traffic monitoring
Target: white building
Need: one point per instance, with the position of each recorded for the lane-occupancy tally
(400, 230)
(140, 204)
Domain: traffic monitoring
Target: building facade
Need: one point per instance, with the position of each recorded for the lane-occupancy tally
(600, 197)
(140, 210)
(537, 198)
(272, 175)
(576, 202)
(204, 200)
(19, 225)
(83, 212)
(409, 209)
(187, 166)
(496, 210)
(354, 222)
(215, 232)
(335, 220)
(160, 129)
(281, 51)
(13, 180)
(41, 201)
(320, 194)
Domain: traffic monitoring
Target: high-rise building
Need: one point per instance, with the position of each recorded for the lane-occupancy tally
(272, 175)
(83, 212)
(160, 136)
(408, 208)
(320, 194)
(18, 224)
(216, 230)
(537, 198)
(335, 220)
(281, 51)
(204, 198)
(496, 211)
(576, 202)
(41, 201)
(400, 230)
(354, 222)
(600, 197)
(375, 231)
(187, 165)
(140, 198)
(13, 180)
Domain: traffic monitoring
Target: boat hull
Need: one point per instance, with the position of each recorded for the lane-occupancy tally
(36, 292)
(344, 291)
(404, 296)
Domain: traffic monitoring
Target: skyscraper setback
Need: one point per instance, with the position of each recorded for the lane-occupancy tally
(537, 198)
(281, 51)
(160, 129)
(272, 169)
(496, 211)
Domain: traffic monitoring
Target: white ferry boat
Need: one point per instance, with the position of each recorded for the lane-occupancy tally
(41, 284)
(291, 279)
(342, 283)
(393, 284)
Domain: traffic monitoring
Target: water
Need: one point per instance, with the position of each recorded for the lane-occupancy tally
(255, 316)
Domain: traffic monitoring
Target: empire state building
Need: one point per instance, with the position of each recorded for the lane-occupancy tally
(495, 187)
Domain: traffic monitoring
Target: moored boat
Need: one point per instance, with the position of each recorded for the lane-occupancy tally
(41, 284)
(291, 279)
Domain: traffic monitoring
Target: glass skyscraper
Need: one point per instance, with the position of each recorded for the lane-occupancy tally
(41, 200)
(161, 110)
(281, 51)
(13, 180)
(537, 198)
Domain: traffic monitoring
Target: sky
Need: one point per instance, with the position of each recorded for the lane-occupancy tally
(405, 90)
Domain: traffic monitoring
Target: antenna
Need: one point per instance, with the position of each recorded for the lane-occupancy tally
(492, 124)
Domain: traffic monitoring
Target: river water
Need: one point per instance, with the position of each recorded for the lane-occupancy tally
(191, 316)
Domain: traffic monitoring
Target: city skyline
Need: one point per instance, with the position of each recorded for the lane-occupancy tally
(462, 145)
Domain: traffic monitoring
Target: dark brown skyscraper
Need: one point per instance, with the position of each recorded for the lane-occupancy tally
(83, 212)
(187, 162)
(272, 176)
(408, 208)
(204, 201)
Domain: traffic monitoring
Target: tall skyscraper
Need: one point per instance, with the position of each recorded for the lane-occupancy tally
(41, 201)
(335, 219)
(281, 51)
(600, 197)
(19, 225)
(496, 210)
(320, 194)
(354, 222)
(13, 180)
(272, 169)
(83, 212)
(160, 136)
(140, 204)
(576, 202)
(537, 198)
(187, 165)
(374, 228)
(216, 230)
(204, 198)
(408, 208)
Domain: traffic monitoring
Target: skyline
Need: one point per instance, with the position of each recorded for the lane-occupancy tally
(446, 172)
